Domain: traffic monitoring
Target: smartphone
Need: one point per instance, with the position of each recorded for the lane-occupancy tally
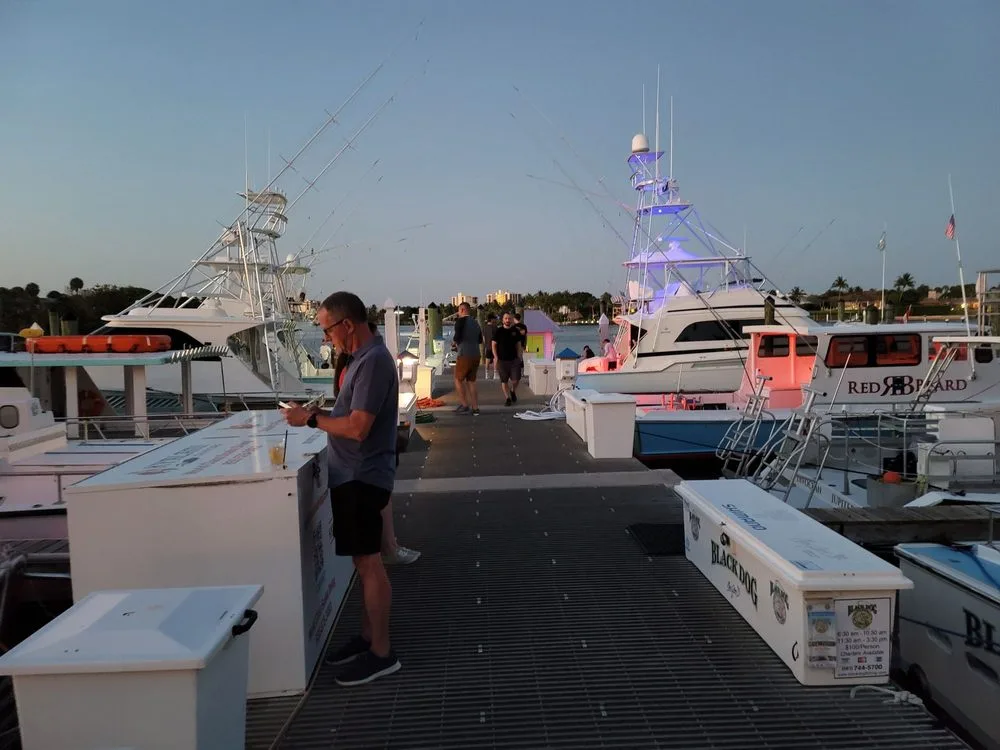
(283, 405)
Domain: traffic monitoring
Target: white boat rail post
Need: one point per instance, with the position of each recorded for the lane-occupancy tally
(994, 511)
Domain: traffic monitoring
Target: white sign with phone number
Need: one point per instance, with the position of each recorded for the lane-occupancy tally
(864, 629)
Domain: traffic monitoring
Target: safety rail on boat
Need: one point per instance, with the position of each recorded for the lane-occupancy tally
(115, 427)
(837, 442)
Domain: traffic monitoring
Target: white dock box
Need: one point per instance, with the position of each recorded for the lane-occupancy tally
(610, 425)
(157, 669)
(575, 406)
(209, 509)
(822, 603)
(541, 376)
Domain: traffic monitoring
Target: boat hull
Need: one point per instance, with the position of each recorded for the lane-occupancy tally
(690, 434)
(956, 660)
(670, 375)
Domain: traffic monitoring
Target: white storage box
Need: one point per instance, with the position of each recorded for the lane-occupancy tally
(575, 406)
(822, 603)
(610, 425)
(159, 669)
(210, 509)
(541, 376)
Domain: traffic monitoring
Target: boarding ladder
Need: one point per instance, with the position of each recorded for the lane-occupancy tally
(781, 459)
(737, 446)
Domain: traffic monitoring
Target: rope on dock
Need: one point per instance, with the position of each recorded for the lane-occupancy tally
(897, 697)
(554, 410)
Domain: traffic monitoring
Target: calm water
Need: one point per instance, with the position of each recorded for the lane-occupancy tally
(574, 337)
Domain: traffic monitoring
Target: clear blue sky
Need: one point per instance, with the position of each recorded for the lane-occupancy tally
(122, 134)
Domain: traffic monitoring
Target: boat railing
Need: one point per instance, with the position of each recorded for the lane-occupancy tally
(867, 440)
(149, 426)
(955, 453)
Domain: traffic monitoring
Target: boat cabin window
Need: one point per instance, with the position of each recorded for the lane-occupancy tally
(897, 350)
(773, 346)
(933, 348)
(714, 330)
(884, 350)
(983, 354)
(805, 346)
(847, 351)
(9, 417)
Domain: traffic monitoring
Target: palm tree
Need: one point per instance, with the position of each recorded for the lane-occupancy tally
(796, 295)
(840, 284)
(903, 283)
(31, 288)
(75, 284)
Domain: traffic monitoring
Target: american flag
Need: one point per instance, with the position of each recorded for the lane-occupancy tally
(949, 231)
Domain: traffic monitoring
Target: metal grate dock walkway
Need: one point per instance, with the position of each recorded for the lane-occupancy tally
(534, 620)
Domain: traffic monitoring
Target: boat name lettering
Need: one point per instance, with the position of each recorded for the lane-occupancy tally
(730, 563)
(900, 385)
(742, 516)
(980, 633)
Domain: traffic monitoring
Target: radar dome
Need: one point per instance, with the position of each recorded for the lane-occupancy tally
(640, 144)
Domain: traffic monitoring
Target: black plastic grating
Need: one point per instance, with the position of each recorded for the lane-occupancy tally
(533, 621)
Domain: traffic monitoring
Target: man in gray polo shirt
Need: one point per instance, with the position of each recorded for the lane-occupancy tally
(361, 430)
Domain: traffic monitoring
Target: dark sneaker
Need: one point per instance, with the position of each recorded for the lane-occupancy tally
(513, 397)
(461, 409)
(475, 412)
(350, 651)
(368, 667)
(507, 402)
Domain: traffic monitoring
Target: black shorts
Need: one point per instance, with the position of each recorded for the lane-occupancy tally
(357, 518)
(509, 369)
(488, 354)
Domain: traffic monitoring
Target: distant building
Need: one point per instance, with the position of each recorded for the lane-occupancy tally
(459, 298)
(504, 297)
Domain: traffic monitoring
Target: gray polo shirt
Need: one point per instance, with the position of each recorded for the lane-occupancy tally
(372, 385)
(467, 336)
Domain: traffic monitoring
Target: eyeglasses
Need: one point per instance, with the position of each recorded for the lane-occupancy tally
(326, 331)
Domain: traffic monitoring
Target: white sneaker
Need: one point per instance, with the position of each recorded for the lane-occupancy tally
(401, 556)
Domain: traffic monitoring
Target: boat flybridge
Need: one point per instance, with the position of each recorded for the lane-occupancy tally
(688, 296)
(234, 296)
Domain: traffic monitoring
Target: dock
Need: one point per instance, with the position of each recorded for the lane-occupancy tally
(553, 607)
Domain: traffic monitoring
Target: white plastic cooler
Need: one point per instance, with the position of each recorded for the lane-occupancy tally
(210, 509)
(161, 669)
(822, 603)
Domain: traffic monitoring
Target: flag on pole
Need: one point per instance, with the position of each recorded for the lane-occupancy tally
(949, 231)
(881, 243)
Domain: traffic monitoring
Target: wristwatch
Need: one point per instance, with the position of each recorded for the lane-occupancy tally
(311, 422)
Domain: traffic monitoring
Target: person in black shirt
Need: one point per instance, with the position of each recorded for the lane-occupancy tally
(523, 330)
(508, 349)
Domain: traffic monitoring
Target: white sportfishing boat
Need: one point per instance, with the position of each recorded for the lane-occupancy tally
(688, 296)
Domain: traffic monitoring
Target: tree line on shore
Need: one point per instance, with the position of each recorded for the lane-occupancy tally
(22, 306)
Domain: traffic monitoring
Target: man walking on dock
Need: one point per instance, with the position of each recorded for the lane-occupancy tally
(468, 337)
(508, 351)
(361, 430)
